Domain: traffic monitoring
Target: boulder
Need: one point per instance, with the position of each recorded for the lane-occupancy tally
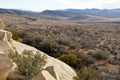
(47, 74)
(44, 75)
(5, 42)
(5, 66)
(53, 72)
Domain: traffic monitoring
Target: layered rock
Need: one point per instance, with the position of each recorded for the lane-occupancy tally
(54, 69)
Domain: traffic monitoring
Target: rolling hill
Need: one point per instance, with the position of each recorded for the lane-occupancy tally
(75, 15)
(111, 13)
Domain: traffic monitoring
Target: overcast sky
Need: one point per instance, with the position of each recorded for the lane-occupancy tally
(40, 5)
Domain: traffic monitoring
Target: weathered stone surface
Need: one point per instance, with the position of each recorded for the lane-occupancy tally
(5, 42)
(5, 35)
(13, 75)
(44, 75)
(39, 77)
(1, 25)
(5, 66)
(52, 71)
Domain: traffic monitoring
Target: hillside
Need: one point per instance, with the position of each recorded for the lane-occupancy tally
(89, 15)
(90, 48)
(111, 13)
(85, 40)
(74, 15)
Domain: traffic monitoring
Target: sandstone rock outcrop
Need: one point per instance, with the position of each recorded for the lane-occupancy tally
(47, 73)
(54, 69)
(5, 66)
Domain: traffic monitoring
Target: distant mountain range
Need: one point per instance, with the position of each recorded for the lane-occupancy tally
(77, 15)
(18, 12)
(86, 15)
(112, 13)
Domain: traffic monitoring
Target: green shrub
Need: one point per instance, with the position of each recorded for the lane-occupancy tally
(49, 46)
(15, 34)
(33, 40)
(63, 41)
(22, 34)
(88, 60)
(87, 74)
(70, 59)
(100, 55)
(28, 63)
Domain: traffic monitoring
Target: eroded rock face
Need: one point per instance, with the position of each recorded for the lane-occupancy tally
(47, 74)
(5, 66)
(5, 42)
(5, 35)
(52, 71)
(44, 75)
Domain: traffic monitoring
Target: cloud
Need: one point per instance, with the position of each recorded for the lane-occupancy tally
(110, 4)
(65, 1)
(91, 3)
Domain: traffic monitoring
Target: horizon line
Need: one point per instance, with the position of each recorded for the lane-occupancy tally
(57, 9)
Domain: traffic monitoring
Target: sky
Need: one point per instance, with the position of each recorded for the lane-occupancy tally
(40, 5)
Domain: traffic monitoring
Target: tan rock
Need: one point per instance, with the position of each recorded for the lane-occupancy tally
(52, 71)
(5, 41)
(5, 35)
(5, 66)
(14, 75)
(44, 75)
(47, 75)
(39, 77)
(1, 25)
